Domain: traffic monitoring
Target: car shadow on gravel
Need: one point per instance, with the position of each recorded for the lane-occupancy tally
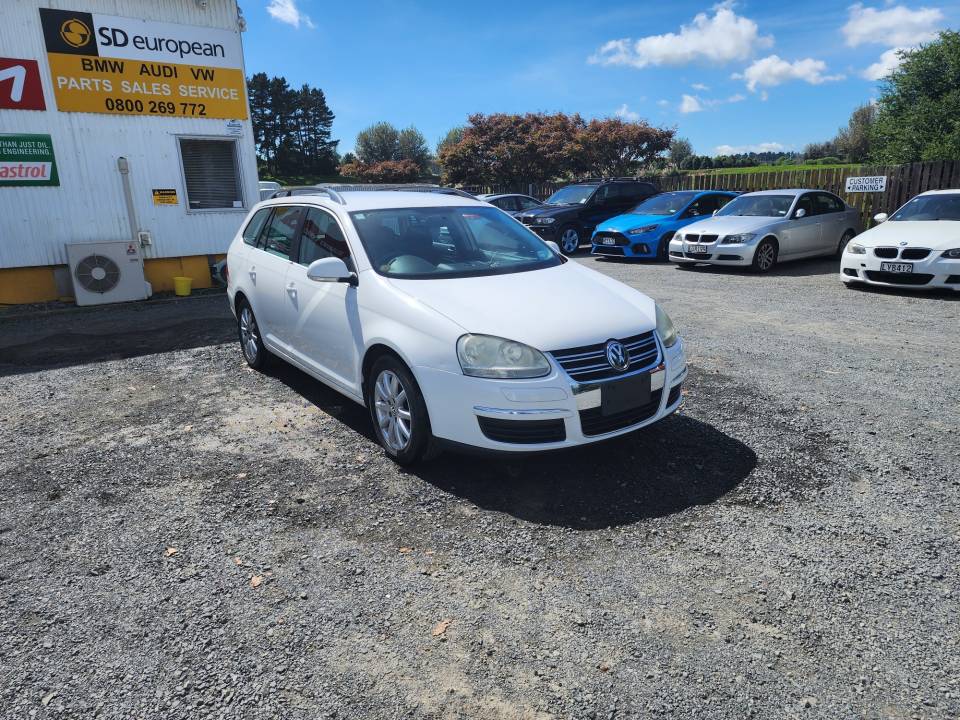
(661, 470)
(793, 268)
(66, 349)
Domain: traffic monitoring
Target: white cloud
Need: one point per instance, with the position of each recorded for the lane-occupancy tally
(887, 63)
(773, 70)
(718, 38)
(625, 113)
(894, 25)
(690, 104)
(286, 11)
(663, 103)
(700, 86)
(758, 147)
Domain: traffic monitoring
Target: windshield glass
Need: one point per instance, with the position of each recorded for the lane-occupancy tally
(571, 195)
(759, 206)
(930, 207)
(448, 242)
(666, 204)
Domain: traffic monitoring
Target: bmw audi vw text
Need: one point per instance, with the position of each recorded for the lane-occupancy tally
(437, 313)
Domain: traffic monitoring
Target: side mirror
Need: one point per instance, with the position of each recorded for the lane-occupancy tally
(799, 214)
(331, 269)
(715, 211)
(553, 246)
(880, 217)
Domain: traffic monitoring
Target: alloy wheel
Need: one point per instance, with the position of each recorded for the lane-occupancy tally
(765, 256)
(569, 241)
(392, 407)
(249, 336)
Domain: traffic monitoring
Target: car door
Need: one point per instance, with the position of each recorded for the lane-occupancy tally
(267, 268)
(323, 317)
(801, 235)
(833, 220)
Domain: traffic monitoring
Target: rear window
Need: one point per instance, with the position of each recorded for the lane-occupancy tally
(252, 231)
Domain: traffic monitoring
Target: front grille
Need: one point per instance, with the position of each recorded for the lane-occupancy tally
(700, 239)
(674, 395)
(618, 238)
(523, 432)
(526, 220)
(899, 278)
(594, 422)
(588, 363)
(885, 252)
(914, 253)
(608, 250)
(698, 256)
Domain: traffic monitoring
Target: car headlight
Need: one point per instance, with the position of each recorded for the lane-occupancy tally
(487, 356)
(665, 329)
(544, 220)
(642, 230)
(854, 249)
(737, 239)
(952, 253)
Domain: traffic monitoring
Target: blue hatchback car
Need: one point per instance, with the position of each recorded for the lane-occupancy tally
(645, 231)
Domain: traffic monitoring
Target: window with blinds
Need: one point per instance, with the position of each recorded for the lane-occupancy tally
(211, 174)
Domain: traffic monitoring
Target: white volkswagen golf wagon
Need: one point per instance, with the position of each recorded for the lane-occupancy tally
(443, 316)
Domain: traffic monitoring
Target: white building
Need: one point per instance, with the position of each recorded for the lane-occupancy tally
(90, 88)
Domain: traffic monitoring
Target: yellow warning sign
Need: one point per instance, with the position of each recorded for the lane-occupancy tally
(164, 196)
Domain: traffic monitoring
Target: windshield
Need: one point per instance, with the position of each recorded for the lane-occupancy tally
(930, 207)
(448, 242)
(571, 195)
(759, 206)
(666, 204)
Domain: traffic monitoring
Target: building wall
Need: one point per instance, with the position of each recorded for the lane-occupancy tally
(37, 222)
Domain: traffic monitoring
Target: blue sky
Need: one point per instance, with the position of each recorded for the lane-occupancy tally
(731, 76)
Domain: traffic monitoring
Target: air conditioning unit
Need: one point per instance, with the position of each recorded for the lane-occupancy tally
(107, 272)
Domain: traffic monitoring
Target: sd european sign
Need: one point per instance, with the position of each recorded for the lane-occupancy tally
(118, 65)
(27, 160)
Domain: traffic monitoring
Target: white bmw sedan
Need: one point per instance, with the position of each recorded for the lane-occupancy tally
(760, 229)
(918, 247)
(439, 314)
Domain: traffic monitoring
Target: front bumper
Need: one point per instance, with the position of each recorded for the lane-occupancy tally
(737, 255)
(636, 246)
(932, 272)
(547, 232)
(483, 413)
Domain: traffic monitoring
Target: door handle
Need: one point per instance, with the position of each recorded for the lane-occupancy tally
(253, 274)
(292, 289)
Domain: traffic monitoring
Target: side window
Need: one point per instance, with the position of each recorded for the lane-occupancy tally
(805, 203)
(278, 238)
(506, 203)
(699, 207)
(526, 203)
(321, 237)
(253, 229)
(827, 203)
(637, 192)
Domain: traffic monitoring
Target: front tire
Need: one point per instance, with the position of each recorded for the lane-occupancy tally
(251, 341)
(663, 249)
(765, 256)
(398, 412)
(569, 240)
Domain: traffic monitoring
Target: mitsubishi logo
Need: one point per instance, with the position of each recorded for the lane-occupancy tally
(617, 355)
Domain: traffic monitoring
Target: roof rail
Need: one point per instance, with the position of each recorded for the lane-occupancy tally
(333, 194)
(430, 189)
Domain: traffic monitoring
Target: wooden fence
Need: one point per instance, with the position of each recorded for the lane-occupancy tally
(903, 182)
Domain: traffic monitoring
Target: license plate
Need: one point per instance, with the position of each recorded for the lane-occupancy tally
(609, 241)
(896, 267)
(698, 249)
(626, 394)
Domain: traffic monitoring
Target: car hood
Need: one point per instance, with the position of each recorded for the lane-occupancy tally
(552, 309)
(731, 224)
(621, 223)
(933, 234)
(550, 210)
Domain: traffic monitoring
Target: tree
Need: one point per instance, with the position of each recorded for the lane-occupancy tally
(453, 136)
(386, 171)
(918, 115)
(680, 151)
(378, 143)
(615, 147)
(853, 141)
(412, 145)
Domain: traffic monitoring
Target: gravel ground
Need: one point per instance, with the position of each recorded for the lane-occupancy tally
(181, 537)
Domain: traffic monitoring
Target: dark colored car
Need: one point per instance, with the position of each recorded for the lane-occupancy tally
(569, 216)
(511, 203)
